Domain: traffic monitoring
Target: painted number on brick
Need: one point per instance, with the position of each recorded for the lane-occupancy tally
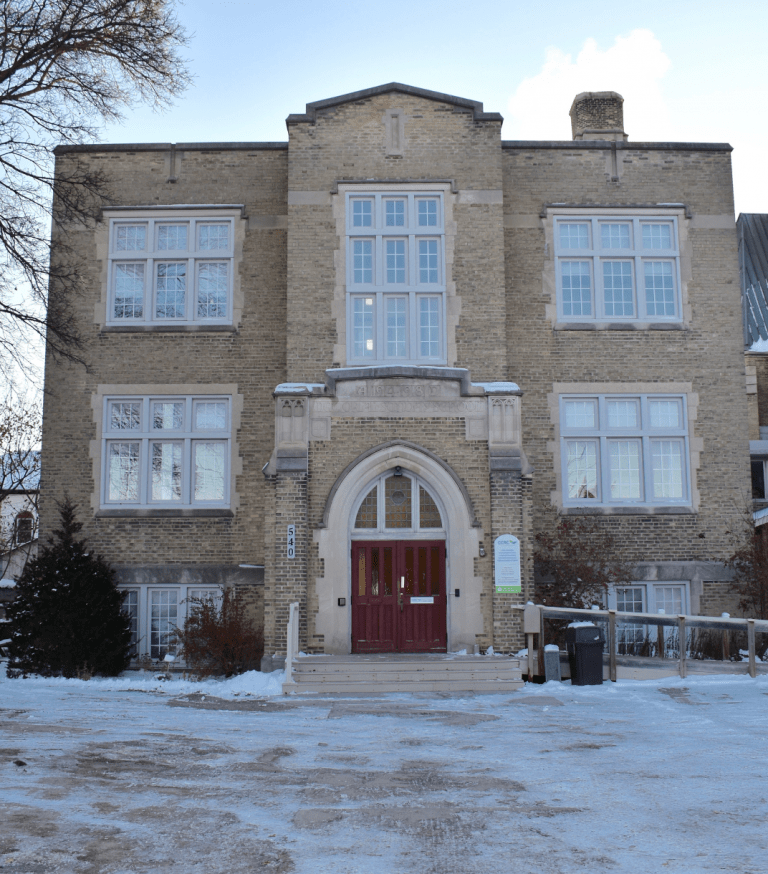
(291, 541)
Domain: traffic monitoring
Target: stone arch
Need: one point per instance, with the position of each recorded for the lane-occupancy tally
(463, 536)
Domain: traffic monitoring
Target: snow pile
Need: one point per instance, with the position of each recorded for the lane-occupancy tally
(582, 625)
(7, 584)
(760, 345)
(252, 683)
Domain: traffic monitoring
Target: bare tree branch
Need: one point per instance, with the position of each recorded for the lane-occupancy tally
(66, 68)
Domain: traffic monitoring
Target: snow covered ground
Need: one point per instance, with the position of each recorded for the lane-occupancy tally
(133, 775)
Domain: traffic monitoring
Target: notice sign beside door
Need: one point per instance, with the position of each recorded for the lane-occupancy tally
(506, 564)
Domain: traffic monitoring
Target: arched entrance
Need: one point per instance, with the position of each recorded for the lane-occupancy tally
(398, 521)
(398, 584)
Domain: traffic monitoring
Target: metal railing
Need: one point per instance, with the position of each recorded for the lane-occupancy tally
(535, 614)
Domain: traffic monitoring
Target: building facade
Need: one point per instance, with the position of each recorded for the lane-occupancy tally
(336, 370)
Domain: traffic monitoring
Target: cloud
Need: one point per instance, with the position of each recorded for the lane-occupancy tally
(634, 66)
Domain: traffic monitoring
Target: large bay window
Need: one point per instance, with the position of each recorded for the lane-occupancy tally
(170, 268)
(166, 451)
(624, 450)
(395, 277)
(617, 268)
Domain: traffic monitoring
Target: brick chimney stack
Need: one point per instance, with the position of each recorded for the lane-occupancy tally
(598, 115)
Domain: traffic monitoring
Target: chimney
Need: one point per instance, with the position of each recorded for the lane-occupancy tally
(598, 115)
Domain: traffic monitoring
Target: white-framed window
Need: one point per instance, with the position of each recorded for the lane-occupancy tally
(395, 277)
(166, 451)
(617, 268)
(633, 638)
(170, 268)
(624, 450)
(156, 611)
(759, 479)
(398, 504)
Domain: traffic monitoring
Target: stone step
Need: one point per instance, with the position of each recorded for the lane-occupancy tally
(404, 676)
(369, 688)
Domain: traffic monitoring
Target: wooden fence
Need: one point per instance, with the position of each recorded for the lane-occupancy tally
(645, 667)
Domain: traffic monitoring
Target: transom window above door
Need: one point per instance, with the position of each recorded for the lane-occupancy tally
(395, 277)
(398, 503)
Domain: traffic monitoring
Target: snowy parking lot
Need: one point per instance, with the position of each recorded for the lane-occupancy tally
(138, 775)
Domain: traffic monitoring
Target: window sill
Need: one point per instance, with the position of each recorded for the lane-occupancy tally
(627, 511)
(160, 512)
(165, 329)
(619, 326)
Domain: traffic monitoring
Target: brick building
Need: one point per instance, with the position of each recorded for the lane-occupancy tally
(336, 370)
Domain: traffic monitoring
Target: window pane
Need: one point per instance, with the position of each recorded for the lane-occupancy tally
(667, 460)
(362, 213)
(582, 469)
(614, 235)
(617, 288)
(659, 288)
(211, 237)
(209, 471)
(665, 414)
(395, 261)
(574, 235)
(580, 414)
(624, 459)
(630, 600)
(669, 599)
(129, 291)
(577, 288)
(429, 327)
(362, 327)
(396, 327)
(397, 502)
(427, 211)
(657, 236)
(367, 515)
(166, 471)
(163, 619)
(212, 290)
(125, 416)
(758, 480)
(429, 515)
(168, 415)
(428, 268)
(123, 473)
(130, 238)
(171, 291)
(172, 237)
(395, 213)
(131, 607)
(623, 414)
(210, 415)
(362, 261)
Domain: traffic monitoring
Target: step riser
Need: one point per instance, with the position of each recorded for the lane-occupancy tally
(380, 688)
(405, 677)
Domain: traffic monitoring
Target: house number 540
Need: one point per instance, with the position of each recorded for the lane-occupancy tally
(291, 541)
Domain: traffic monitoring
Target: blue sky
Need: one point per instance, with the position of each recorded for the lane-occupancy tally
(692, 71)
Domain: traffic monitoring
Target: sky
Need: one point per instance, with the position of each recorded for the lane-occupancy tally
(688, 71)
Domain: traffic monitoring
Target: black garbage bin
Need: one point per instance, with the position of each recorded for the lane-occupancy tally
(584, 644)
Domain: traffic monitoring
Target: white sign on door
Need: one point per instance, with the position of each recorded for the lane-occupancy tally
(506, 564)
(291, 541)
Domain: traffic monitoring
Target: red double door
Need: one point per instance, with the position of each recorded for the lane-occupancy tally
(398, 596)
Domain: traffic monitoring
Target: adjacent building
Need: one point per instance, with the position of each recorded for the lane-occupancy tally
(335, 370)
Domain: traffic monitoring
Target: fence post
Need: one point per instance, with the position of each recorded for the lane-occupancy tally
(751, 647)
(612, 645)
(681, 643)
(542, 671)
(660, 638)
(292, 639)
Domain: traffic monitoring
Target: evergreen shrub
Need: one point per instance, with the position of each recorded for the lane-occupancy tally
(67, 618)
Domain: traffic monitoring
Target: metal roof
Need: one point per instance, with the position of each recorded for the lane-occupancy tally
(753, 261)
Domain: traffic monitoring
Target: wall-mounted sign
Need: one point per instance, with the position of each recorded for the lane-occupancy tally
(421, 599)
(291, 541)
(506, 565)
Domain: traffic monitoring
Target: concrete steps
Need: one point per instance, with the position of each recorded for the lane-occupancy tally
(395, 672)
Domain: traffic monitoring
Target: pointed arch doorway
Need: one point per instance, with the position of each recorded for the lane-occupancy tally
(398, 586)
